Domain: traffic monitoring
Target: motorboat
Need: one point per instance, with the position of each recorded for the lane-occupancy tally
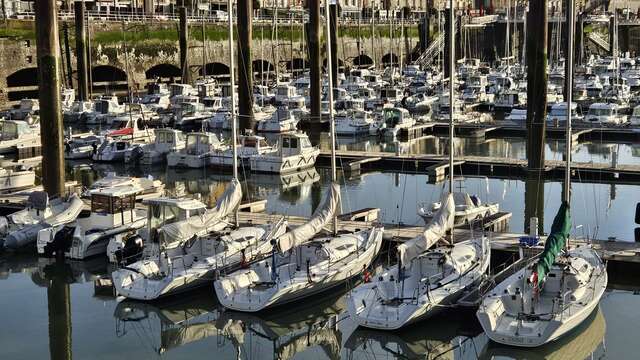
(12, 179)
(282, 120)
(395, 119)
(468, 208)
(21, 228)
(426, 279)
(83, 147)
(248, 146)
(354, 123)
(15, 133)
(199, 147)
(303, 263)
(104, 108)
(78, 111)
(28, 110)
(605, 114)
(165, 141)
(113, 214)
(148, 186)
(113, 150)
(294, 153)
(558, 113)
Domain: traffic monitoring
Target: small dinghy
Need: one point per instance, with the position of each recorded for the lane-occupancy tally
(21, 228)
(425, 280)
(468, 209)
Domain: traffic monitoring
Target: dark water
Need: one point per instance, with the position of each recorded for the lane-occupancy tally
(56, 311)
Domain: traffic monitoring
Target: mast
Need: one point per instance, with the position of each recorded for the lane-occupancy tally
(452, 71)
(569, 96)
(234, 125)
(332, 125)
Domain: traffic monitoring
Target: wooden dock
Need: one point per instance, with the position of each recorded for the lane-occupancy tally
(496, 167)
(620, 251)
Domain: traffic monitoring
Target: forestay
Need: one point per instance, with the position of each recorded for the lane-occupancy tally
(434, 231)
(174, 234)
(321, 217)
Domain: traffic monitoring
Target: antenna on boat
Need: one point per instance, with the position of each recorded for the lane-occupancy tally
(234, 125)
(332, 126)
(452, 71)
(569, 96)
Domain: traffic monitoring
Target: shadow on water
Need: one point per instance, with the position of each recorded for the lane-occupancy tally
(585, 341)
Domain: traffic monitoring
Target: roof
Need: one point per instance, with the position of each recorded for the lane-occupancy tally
(118, 191)
(182, 203)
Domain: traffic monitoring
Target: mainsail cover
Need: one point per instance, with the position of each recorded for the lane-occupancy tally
(175, 233)
(560, 230)
(434, 231)
(321, 217)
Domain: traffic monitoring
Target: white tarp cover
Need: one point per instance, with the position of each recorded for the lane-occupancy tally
(434, 231)
(178, 232)
(321, 217)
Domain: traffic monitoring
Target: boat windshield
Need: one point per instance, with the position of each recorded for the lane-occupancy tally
(163, 214)
(601, 111)
(9, 130)
(392, 117)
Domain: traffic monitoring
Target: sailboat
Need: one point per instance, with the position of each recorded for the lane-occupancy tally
(426, 279)
(196, 250)
(304, 261)
(556, 292)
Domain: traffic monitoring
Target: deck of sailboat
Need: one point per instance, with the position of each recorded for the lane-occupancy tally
(623, 251)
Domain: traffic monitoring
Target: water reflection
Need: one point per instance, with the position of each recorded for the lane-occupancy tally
(448, 335)
(515, 148)
(584, 342)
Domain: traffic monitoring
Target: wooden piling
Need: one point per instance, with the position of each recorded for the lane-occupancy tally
(245, 64)
(536, 109)
(315, 73)
(67, 54)
(184, 46)
(81, 51)
(51, 132)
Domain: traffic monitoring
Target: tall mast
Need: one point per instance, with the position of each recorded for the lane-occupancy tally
(234, 125)
(332, 126)
(452, 71)
(569, 141)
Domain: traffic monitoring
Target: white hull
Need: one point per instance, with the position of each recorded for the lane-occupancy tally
(543, 323)
(237, 293)
(16, 180)
(187, 161)
(281, 165)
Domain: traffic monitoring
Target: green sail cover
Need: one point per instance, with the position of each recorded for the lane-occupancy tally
(555, 242)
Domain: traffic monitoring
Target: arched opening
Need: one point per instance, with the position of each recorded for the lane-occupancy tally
(109, 79)
(260, 66)
(389, 58)
(340, 65)
(297, 65)
(23, 84)
(217, 70)
(163, 73)
(362, 61)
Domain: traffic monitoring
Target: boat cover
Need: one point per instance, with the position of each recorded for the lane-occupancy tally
(320, 218)
(560, 230)
(176, 233)
(434, 231)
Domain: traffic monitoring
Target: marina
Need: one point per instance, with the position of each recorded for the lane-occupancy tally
(335, 179)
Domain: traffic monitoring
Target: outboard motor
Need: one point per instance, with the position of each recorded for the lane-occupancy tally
(130, 251)
(61, 243)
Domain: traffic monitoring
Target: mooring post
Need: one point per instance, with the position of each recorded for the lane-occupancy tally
(67, 54)
(48, 52)
(536, 110)
(81, 51)
(245, 64)
(59, 311)
(315, 73)
(333, 31)
(184, 46)
(613, 20)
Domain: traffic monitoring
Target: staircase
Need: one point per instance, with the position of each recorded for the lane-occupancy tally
(600, 41)
(436, 46)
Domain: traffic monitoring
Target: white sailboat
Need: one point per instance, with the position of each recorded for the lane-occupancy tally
(192, 252)
(557, 292)
(304, 262)
(425, 280)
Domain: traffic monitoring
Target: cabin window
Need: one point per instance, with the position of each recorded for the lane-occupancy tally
(293, 143)
(123, 204)
(285, 143)
(162, 137)
(120, 146)
(168, 138)
(249, 142)
(191, 141)
(100, 204)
